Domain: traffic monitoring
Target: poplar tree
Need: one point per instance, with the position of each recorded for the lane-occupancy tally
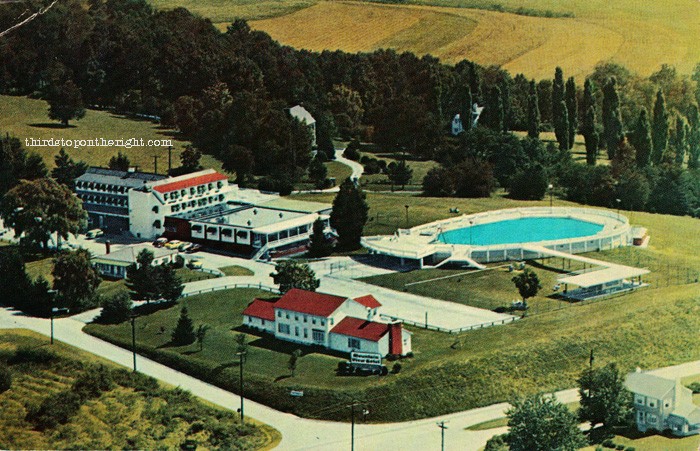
(694, 138)
(640, 139)
(349, 215)
(572, 109)
(612, 120)
(561, 123)
(680, 142)
(659, 131)
(505, 104)
(588, 126)
(533, 113)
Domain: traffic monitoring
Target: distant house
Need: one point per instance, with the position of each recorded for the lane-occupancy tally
(334, 322)
(662, 404)
(115, 264)
(300, 113)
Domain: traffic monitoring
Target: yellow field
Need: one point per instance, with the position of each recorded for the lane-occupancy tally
(639, 35)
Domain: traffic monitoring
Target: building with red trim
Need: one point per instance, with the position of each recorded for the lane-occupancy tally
(334, 322)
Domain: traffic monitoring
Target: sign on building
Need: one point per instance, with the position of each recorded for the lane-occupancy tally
(366, 358)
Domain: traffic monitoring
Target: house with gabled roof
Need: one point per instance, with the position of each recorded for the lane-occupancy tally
(334, 322)
(302, 115)
(661, 404)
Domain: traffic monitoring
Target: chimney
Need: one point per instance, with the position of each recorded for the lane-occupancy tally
(396, 338)
(107, 246)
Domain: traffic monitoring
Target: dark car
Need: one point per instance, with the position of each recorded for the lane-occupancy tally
(194, 248)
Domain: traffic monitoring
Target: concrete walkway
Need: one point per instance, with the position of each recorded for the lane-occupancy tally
(298, 433)
(357, 171)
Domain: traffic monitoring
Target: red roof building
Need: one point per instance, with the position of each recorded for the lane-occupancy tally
(360, 328)
(190, 182)
(262, 309)
(309, 302)
(368, 301)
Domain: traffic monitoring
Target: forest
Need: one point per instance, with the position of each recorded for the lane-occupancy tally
(227, 92)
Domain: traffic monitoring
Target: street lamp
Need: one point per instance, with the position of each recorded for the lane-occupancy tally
(471, 223)
(618, 208)
(406, 207)
(133, 337)
(52, 293)
(365, 412)
(240, 366)
(550, 187)
(441, 425)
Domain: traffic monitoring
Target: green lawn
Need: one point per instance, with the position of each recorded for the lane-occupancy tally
(189, 275)
(380, 182)
(121, 417)
(27, 118)
(235, 270)
(338, 170)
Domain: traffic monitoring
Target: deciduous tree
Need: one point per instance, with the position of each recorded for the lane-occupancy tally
(604, 398)
(527, 283)
(66, 103)
(119, 162)
(75, 279)
(291, 274)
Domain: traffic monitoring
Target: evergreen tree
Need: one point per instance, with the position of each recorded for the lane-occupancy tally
(119, 162)
(318, 173)
(141, 276)
(184, 333)
(475, 84)
(572, 109)
(465, 111)
(67, 170)
(189, 159)
(506, 105)
(694, 137)
(680, 141)
(201, 334)
(400, 174)
(293, 361)
(320, 245)
(561, 126)
(561, 129)
(612, 120)
(168, 283)
(533, 112)
(659, 130)
(588, 96)
(590, 134)
(349, 215)
(116, 309)
(492, 116)
(640, 139)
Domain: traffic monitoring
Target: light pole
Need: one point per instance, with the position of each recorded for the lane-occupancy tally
(365, 412)
(550, 187)
(441, 425)
(240, 366)
(52, 293)
(618, 208)
(406, 207)
(133, 338)
(471, 224)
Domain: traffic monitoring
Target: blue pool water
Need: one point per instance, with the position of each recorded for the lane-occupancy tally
(524, 230)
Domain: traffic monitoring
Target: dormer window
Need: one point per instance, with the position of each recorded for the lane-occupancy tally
(155, 209)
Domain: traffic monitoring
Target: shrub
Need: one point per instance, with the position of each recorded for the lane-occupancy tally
(92, 383)
(32, 355)
(608, 444)
(116, 309)
(620, 447)
(630, 448)
(409, 354)
(136, 381)
(5, 378)
(396, 368)
(695, 386)
(55, 409)
(497, 443)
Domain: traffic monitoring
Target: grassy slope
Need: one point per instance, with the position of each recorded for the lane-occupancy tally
(621, 32)
(101, 423)
(225, 12)
(235, 270)
(27, 118)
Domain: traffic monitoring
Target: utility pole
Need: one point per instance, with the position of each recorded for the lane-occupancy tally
(170, 159)
(133, 338)
(406, 206)
(441, 425)
(52, 293)
(155, 164)
(240, 366)
(352, 426)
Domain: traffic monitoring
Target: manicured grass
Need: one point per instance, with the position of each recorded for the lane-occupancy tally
(491, 424)
(235, 270)
(122, 417)
(189, 275)
(653, 442)
(27, 118)
(380, 182)
(339, 171)
(40, 267)
(457, 29)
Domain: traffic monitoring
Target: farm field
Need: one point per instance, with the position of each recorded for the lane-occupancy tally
(224, 12)
(640, 36)
(27, 118)
(133, 412)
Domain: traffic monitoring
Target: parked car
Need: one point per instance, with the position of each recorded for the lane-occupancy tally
(184, 246)
(174, 244)
(94, 233)
(195, 263)
(160, 242)
(194, 248)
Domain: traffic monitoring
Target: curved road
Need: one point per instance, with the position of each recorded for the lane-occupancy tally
(357, 171)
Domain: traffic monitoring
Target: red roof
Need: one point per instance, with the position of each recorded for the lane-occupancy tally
(361, 328)
(261, 309)
(310, 302)
(368, 301)
(187, 183)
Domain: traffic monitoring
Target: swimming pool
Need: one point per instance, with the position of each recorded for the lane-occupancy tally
(521, 230)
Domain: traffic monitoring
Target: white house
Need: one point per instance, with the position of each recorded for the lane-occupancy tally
(457, 126)
(300, 113)
(334, 322)
(661, 404)
(115, 264)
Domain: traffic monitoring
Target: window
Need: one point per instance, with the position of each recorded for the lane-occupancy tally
(262, 321)
(279, 314)
(313, 320)
(283, 328)
(318, 335)
(331, 321)
(296, 330)
(306, 333)
(296, 317)
(639, 399)
(155, 209)
(306, 318)
(250, 319)
(287, 315)
(651, 418)
(323, 322)
(353, 343)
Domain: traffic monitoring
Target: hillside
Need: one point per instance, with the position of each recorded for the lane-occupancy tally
(639, 37)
